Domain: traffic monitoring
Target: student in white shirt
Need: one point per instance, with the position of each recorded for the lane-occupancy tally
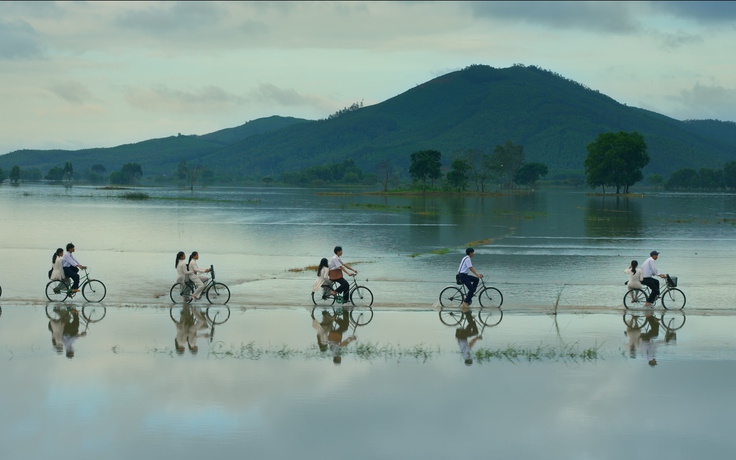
(71, 267)
(195, 276)
(649, 271)
(470, 281)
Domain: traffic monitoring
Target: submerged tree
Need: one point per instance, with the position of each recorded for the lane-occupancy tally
(506, 161)
(458, 176)
(616, 159)
(529, 173)
(425, 164)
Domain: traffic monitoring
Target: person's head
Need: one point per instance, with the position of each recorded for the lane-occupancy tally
(179, 256)
(322, 264)
(70, 247)
(59, 252)
(194, 255)
(338, 249)
(654, 255)
(469, 252)
(634, 264)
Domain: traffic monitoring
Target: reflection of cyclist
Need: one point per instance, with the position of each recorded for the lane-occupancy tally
(334, 337)
(71, 332)
(191, 322)
(648, 347)
(463, 333)
(195, 276)
(649, 271)
(337, 266)
(470, 281)
(71, 267)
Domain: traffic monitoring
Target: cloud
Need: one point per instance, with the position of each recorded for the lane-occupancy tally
(71, 91)
(704, 12)
(174, 18)
(709, 101)
(269, 93)
(206, 99)
(18, 40)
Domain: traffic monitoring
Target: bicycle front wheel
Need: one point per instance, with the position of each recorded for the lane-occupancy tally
(673, 299)
(94, 291)
(57, 290)
(93, 313)
(218, 315)
(450, 316)
(451, 297)
(360, 316)
(635, 298)
(218, 293)
(362, 297)
(490, 297)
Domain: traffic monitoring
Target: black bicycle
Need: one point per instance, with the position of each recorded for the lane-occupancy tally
(360, 296)
(216, 292)
(672, 298)
(92, 290)
(670, 320)
(488, 297)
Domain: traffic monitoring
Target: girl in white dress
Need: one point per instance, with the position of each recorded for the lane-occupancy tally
(57, 272)
(194, 275)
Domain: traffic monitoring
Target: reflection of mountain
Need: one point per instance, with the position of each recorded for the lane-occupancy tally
(613, 216)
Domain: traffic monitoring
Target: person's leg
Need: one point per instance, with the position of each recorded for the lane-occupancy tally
(343, 290)
(471, 283)
(71, 272)
(472, 326)
(653, 286)
(199, 285)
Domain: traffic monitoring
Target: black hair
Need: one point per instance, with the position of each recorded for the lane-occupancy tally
(322, 263)
(469, 250)
(69, 246)
(194, 253)
(178, 256)
(56, 254)
(338, 249)
(634, 264)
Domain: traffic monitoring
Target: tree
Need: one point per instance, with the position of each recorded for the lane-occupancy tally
(529, 173)
(480, 168)
(425, 164)
(2, 176)
(55, 174)
(384, 171)
(128, 174)
(683, 178)
(189, 173)
(729, 175)
(506, 161)
(15, 174)
(655, 179)
(458, 176)
(616, 159)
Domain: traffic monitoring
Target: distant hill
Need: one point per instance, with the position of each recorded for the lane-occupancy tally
(554, 118)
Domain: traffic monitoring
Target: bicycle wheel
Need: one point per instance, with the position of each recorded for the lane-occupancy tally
(635, 298)
(55, 311)
(450, 316)
(326, 310)
(179, 295)
(218, 315)
(321, 300)
(362, 297)
(490, 316)
(57, 290)
(360, 316)
(218, 293)
(490, 297)
(94, 291)
(673, 299)
(673, 320)
(634, 320)
(93, 313)
(451, 297)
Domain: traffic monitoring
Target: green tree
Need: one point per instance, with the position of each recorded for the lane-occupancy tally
(2, 176)
(68, 171)
(55, 174)
(616, 159)
(655, 179)
(506, 161)
(710, 179)
(480, 168)
(529, 173)
(425, 164)
(458, 176)
(686, 178)
(15, 174)
(729, 175)
(132, 173)
(189, 173)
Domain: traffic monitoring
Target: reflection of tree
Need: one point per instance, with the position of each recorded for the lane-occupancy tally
(613, 216)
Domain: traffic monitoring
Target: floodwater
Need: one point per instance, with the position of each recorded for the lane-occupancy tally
(562, 375)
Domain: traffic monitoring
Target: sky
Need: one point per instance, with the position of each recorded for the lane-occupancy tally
(99, 74)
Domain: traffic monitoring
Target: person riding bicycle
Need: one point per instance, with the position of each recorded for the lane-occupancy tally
(649, 271)
(182, 271)
(57, 270)
(337, 266)
(195, 276)
(470, 281)
(323, 279)
(71, 267)
(463, 333)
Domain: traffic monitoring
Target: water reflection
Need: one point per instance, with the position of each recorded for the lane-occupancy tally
(191, 324)
(613, 216)
(64, 322)
(643, 328)
(331, 325)
(466, 326)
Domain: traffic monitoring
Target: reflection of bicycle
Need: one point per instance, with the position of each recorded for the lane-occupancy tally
(360, 296)
(92, 290)
(90, 313)
(359, 316)
(215, 315)
(453, 316)
(672, 298)
(488, 297)
(216, 293)
(672, 321)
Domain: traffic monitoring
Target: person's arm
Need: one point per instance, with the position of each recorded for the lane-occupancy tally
(475, 339)
(476, 273)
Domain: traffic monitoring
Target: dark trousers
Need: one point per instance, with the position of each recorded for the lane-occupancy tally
(73, 273)
(653, 285)
(343, 289)
(470, 282)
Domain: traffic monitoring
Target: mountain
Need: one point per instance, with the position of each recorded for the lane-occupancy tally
(554, 118)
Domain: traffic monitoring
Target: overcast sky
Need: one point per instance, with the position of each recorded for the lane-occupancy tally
(76, 74)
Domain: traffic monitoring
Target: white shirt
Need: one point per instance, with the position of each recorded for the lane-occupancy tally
(648, 269)
(465, 265)
(634, 278)
(335, 263)
(68, 260)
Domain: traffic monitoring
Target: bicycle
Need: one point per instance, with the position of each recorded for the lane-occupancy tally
(452, 316)
(672, 298)
(216, 293)
(672, 321)
(488, 297)
(360, 296)
(90, 313)
(92, 290)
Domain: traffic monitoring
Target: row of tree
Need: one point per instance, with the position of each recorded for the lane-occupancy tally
(701, 179)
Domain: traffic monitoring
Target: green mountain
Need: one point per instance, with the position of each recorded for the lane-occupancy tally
(554, 118)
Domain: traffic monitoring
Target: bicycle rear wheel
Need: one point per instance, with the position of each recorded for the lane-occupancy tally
(57, 290)
(362, 297)
(93, 313)
(218, 315)
(451, 297)
(635, 298)
(490, 297)
(218, 293)
(321, 300)
(94, 291)
(450, 316)
(673, 299)
(179, 295)
(490, 316)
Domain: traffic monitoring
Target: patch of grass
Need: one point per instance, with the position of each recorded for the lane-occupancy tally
(540, 353)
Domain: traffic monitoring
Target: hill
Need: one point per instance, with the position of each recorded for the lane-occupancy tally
(554, 118)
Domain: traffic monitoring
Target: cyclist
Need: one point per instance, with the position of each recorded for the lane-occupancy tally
(470, 281)
(337, 266)
(57, 271)
(182, 272)
(323, 278)
(195, 276)
(649, 271)
(71, 267)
